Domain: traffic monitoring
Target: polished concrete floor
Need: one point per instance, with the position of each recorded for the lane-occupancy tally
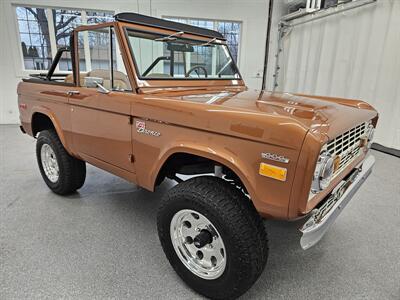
(102, 242)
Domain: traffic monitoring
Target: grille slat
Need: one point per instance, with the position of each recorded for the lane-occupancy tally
(347, 146)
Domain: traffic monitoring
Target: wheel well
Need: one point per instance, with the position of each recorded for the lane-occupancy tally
(40, 122)
(190, 164)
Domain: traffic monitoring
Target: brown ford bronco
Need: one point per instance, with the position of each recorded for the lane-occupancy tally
(150, 99)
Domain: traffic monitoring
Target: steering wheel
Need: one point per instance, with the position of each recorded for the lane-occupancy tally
(195, 69)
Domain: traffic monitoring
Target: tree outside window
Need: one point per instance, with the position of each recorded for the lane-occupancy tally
(230, 31)
(36, 33)
(35, 38)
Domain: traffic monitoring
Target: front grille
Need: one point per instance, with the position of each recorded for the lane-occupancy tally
(347, 146)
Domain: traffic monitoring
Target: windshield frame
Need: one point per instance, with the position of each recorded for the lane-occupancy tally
(139, 76)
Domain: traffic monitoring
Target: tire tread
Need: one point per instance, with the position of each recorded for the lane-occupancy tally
(72, 170)
(237, 213)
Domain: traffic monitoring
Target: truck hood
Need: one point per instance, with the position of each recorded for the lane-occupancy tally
(279, 118)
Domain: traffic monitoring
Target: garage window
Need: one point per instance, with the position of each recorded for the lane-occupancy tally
(43, 30)
(229, 29)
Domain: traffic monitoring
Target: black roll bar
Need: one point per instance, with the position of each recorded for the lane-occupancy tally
(53, 66)
(153, 64)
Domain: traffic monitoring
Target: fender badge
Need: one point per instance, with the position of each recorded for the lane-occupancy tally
(275, 157)
(141, 128)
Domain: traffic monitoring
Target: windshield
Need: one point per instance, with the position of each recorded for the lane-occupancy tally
(167, 57)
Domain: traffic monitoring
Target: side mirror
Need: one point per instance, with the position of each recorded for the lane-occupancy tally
(96, 82)
(102, 89)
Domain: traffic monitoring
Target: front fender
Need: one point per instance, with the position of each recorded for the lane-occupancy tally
(348, 102)
(221, 156)
(242, 156)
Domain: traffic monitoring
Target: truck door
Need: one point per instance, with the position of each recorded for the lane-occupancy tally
(100, 105)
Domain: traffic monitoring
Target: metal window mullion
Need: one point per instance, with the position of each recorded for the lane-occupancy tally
(188, 60)
(239, 43)
(119, 61)
(86, 47)
(214, 53)
(111, 60)
(52, 35)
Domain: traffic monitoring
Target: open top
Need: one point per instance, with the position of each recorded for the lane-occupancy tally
(136, 53)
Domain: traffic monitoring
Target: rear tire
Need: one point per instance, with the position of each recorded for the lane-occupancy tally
(210, 203)
(62, 173)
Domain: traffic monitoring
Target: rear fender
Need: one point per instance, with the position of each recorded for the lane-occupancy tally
(56, 123)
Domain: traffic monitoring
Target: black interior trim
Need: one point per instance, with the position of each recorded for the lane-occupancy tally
(72, 49)
(43, 81)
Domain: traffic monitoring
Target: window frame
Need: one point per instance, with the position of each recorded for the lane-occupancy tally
(140, 77)
(52, 35)
(215, 27)
(112, 26)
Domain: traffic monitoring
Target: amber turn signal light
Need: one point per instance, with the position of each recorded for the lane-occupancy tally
(274, 172)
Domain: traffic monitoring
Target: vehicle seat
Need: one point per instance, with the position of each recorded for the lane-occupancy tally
(121, 81)
(70, 78)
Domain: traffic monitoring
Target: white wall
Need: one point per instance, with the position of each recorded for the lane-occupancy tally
(252, 14)
(355, 54)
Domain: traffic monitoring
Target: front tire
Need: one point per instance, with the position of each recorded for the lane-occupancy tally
(62, 173)
(213, 237)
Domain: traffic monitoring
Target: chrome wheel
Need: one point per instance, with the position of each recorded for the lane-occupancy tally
(49, 163)
(198, 244)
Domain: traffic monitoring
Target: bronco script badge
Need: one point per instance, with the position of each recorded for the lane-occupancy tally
(141, 128)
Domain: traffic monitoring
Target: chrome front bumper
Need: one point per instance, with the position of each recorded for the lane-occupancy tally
(323, 217)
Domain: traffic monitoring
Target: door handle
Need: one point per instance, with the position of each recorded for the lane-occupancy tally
(70, 93)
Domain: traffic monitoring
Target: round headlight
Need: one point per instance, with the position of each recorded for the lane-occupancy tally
(323, 172)
(326, 173)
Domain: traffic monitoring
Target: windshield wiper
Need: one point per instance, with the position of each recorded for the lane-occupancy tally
(208, 43)
(171, 37)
